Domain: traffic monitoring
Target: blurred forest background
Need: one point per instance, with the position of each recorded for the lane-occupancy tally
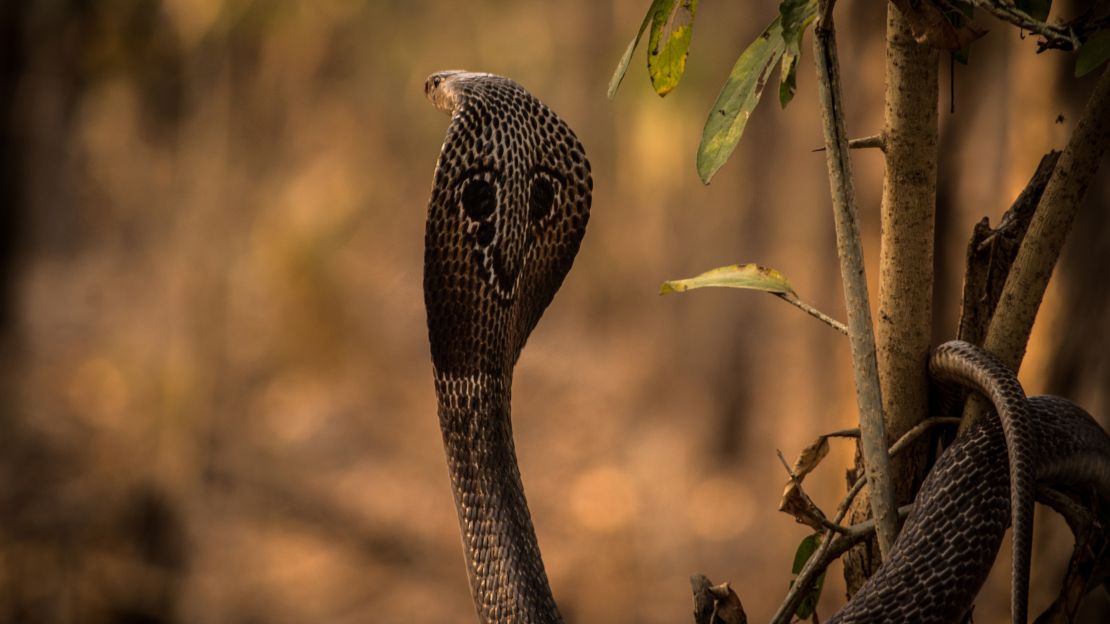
(215, 392)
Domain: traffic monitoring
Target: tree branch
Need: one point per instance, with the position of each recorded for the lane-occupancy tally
(850, 250)
(903, 329)
(875, 140)
(1009, 329)
(867, 142)
(1055, 36)
(839, 539)
(833, 544)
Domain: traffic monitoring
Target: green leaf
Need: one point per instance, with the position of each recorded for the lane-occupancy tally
(1037, 9)
(749, 276)
(1095, 52)
(622, 65)
(796, 16)
(672, 24)
(806, 548)
(738, 97)
(805, 551)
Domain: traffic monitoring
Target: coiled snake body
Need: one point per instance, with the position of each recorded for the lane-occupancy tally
(510, 201)
(946, 548)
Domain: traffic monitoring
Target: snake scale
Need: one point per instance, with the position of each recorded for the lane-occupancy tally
(510, 200)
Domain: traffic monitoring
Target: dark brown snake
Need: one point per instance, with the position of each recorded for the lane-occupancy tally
(509, 206)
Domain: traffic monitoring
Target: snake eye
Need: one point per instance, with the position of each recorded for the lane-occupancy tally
(479, 198)
(541, 198)
(431, 84)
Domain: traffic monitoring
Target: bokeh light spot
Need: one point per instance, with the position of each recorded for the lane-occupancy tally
(604, 499)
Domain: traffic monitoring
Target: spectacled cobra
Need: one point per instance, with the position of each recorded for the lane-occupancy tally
(510, 200)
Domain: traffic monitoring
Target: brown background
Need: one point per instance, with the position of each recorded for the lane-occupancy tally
(217, 401)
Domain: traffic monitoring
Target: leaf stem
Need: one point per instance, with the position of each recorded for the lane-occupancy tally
(812, 311)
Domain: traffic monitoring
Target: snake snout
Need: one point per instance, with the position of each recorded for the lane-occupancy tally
(439, 90)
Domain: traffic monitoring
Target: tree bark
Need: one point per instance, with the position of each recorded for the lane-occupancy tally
(906, 253)
(904, 324)
(1011, 325)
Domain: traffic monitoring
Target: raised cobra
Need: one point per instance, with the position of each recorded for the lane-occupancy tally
(509, 206)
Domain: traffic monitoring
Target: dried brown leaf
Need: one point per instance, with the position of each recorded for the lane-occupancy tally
(810, 457)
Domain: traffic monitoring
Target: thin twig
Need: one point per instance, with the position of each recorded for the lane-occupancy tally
(786, 465)
(837, 539)
(833, 545)
(850, 251)
(862, 530)
(817, 561)
(1090, 564)
(920, 428)
(1055, 36)
(868, 142)
(812, 311)
(1078, 517)
(873, 141)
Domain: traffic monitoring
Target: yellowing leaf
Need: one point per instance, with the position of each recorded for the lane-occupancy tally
(749, 276)
(810, 457)
(672, 23)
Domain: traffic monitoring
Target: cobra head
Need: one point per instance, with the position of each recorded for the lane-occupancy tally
(510, 202)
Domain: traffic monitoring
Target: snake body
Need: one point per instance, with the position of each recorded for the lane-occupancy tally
(510, 201)
(986, 476)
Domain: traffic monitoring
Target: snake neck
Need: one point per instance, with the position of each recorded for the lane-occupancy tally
(507, 578)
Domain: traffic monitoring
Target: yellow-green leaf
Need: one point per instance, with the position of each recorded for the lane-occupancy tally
(622, 65)
(738, 97)
(672, 23)
(1095, 52)
(749, 276)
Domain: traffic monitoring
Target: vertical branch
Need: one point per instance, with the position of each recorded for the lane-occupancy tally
(903, 329)
(850, 250)
(1012, 323)
(904, 325)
